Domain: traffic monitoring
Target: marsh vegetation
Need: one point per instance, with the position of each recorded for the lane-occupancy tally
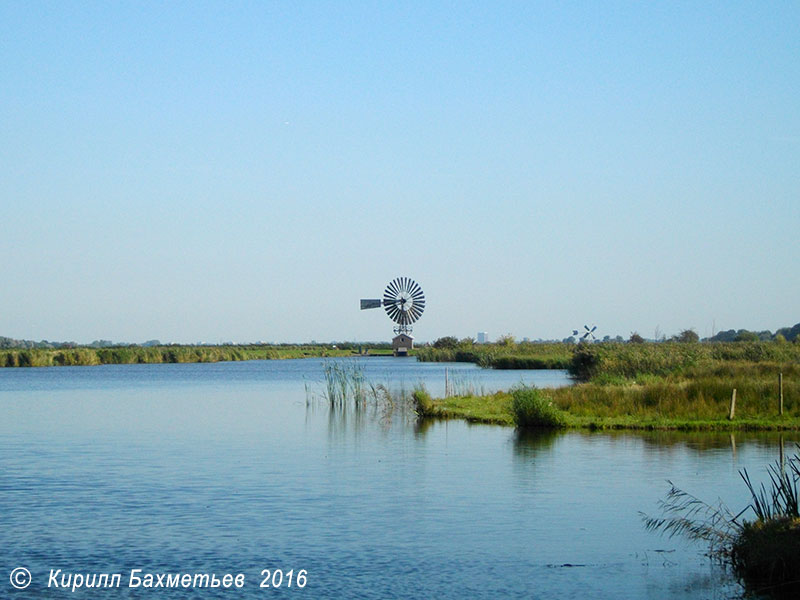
(764, 551)
(669, 385)
(173, 353)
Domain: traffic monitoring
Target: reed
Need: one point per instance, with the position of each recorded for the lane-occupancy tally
(765, 552)
(526, 355)
(86, 356)
(345, 385)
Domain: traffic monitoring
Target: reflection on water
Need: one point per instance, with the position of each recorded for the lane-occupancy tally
(229, 467)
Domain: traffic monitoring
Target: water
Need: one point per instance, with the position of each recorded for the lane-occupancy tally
(236, 468)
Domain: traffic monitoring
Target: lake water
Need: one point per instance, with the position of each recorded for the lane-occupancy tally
(240, 467)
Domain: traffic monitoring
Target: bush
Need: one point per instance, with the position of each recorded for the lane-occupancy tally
(532, 409)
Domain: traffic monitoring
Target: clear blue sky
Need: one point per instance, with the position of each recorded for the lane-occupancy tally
(209, 171)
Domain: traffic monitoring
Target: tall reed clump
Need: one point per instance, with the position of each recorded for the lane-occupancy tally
(345, 382)
(764, 552)
(532, 409)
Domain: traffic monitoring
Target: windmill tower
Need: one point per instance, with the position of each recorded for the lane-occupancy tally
(404, 302)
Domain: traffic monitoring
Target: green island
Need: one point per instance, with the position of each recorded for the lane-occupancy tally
(665, 385)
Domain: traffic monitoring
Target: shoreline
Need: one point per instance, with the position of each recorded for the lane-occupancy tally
(495, 409)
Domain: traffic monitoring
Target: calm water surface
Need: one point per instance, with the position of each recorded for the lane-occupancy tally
(236, 467)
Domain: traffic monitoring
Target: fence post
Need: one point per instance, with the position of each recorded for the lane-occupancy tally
(733, 405)
(780, 391)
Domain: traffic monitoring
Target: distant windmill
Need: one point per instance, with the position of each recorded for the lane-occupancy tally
(404, 302)
(589, 334)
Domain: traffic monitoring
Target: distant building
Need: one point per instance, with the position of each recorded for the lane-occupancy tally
(401, 344)
(483, 337)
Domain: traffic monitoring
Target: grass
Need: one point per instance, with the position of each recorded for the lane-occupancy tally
(765, 552)
(345, 386)
(681, 386)
(532, 409)
(494, 409)
(525, 355)
(84, 356)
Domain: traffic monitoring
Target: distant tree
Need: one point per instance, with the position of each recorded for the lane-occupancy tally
(505, 340)
(449, 342)
(779, 338)
(636, 338)
(569, 340)
(790, 333)
(686, 336)
(746, 336)
(466, 342)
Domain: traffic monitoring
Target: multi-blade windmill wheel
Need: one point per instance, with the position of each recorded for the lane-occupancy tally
(403, 301)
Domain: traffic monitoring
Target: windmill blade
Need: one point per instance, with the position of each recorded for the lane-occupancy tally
(371, 303)
(593, 328)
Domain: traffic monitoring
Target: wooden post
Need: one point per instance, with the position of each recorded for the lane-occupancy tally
(733, 405)
(783, 456)
(780, 391)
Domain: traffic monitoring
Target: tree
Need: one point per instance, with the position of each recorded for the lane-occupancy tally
(746, 336)
(506, 340)
(449, 342)
(636, 338)
(687, 336)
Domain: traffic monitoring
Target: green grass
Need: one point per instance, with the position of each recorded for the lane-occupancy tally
(83, 356)
(533, 409)
(494, 409)
(689, 398)
(525, 355)
(684, 386)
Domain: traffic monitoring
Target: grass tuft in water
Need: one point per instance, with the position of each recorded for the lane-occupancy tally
(533, 409)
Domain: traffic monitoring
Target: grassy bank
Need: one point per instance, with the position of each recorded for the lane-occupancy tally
(657, 386)
(509, 355)
(161, 354)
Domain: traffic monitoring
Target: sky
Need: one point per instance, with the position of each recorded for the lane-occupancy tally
(247, 171)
